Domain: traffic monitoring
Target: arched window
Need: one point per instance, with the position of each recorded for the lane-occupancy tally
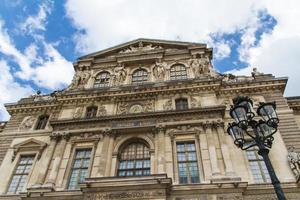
(91, 111)
(181, 104)
(102, 80)
(42, 122)
(178, 72)
(139, 76)
(134, 160)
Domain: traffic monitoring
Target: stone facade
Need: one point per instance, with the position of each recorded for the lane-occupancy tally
(150, 94)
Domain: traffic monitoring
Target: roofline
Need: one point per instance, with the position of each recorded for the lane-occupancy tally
(142, 40)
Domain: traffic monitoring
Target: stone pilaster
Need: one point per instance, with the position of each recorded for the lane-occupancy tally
(109, 153)
(160, 148)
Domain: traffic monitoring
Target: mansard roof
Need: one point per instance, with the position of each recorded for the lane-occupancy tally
(154, 42)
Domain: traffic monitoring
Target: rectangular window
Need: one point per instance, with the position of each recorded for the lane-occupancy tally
(20, 175)
(258, 167)
(80, 167)
(187, 162)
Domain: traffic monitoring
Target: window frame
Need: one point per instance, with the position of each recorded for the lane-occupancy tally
(183, 73)
(94, 113)
(15, 166)
(258, 160)
(37, 127)
(100, 84)
(181, 103)
(144, 76)
(134, 169)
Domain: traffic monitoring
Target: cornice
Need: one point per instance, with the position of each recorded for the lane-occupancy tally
(294, 103)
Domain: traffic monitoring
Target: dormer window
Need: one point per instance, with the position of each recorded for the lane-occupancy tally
(102, 80)
(181, 104)
(42, 122)
(91, 111)
(139, 76)
(178, 72)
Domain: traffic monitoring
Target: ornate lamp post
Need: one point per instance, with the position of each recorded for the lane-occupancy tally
(260, 134)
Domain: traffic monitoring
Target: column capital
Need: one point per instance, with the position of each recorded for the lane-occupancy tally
(59, 135)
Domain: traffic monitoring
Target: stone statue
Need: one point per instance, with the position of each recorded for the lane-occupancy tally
(159, 69)
(255, 72)
(119, 74)
(294, 161)
(200, 66)
(27, 122)
(80, 78)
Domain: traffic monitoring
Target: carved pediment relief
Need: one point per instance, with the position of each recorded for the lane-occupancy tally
(29, 145)
(135, 107)
(139, 47)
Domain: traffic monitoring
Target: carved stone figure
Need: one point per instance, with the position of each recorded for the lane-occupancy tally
(140, 47)
(195, 103)
(119, 74)
(78, 112)
(255, 72)
(200, 66)
(149, 106)
(123, 108)
(168, 105)
(27, 122)
(294, 161)
(80, 78)
(159, 70)
(102, 111)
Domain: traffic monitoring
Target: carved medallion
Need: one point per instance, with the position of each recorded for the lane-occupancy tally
(136, 109)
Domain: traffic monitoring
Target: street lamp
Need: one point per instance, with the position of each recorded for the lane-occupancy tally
(247, 132)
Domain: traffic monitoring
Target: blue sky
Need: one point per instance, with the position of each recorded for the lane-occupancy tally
(39, 40)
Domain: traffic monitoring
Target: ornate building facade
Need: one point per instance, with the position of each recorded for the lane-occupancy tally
(145, 120)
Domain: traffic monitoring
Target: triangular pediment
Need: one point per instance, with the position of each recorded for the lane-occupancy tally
(143, 45)
(30, 143)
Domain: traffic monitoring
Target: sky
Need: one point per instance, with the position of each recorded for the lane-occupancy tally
(39, 40)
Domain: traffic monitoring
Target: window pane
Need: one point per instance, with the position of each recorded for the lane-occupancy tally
(139, 75)
(257, 166)
(20, 175)
(178, 72)
(79, 169)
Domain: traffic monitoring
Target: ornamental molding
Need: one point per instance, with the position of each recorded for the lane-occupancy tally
(30, 144)
(130, 107)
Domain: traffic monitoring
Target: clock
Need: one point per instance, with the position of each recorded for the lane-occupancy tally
(136, 108)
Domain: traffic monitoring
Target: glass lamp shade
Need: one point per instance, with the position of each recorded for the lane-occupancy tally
(239, 114)
(237, 134)
(247, 102)
(268, 112)
(264, 130)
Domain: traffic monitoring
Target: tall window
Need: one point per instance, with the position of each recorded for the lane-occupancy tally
(20, 175)
(178, 72)
(80, 167)
(181, 104)
(140, 75)
(91, 112)
(102, 80)
(134, 160)
(187, 163)
(42, 122)
(258, 167)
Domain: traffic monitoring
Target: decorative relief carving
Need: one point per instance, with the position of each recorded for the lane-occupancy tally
(200, 66)
(102, 110)
(78, 112)
(294, 161)
(195, 103)
(168, 105)
(120, 74)
(142, 106)
(80, 79)
(140, 47)
(159, 69)
(123, 195)
(84, 136)
(27, 123)
(59, 135)
(184, 129)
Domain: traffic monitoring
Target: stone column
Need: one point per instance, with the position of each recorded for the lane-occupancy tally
(109, 153)
(160, 137)
(57, 159)
(212, 151)
(46, 159)
(225, 151)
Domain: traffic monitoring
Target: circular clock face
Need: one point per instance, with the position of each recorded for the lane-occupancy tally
(136, 109)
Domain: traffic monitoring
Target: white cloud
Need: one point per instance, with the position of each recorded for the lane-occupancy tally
(10, 90)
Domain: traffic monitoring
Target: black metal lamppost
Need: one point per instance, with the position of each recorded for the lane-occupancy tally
(260, 134)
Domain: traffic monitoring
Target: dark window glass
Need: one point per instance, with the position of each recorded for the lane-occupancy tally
(178, 72)
(42, 122)
(181, 104)
(91, 112)
(187, 163)
(134, 160)
(20, 175)
(102, 80)
(139, 76)
(258, 167)
(80, 167)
